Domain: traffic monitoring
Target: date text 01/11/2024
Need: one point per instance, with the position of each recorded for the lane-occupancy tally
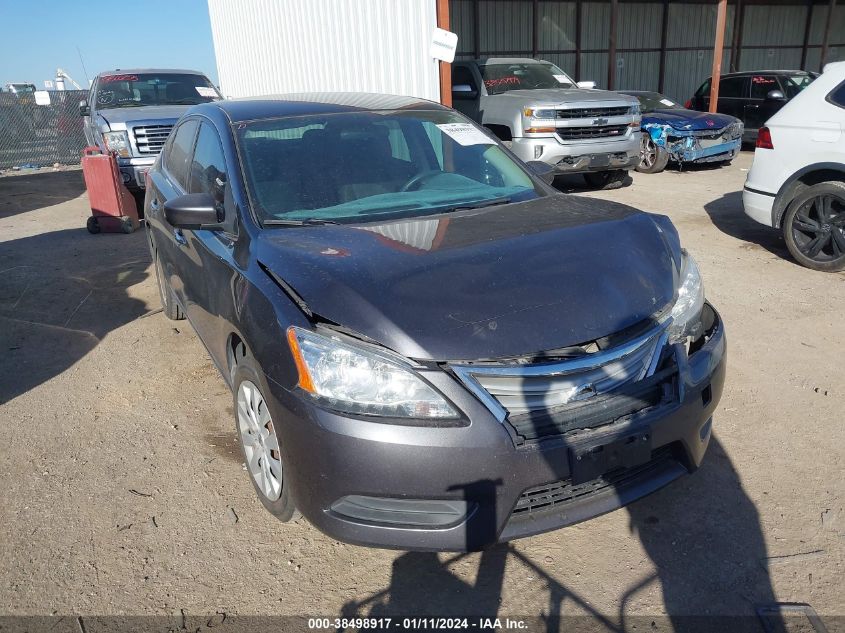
(417, 623)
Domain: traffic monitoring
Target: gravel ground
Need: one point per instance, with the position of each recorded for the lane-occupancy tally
(122, 489)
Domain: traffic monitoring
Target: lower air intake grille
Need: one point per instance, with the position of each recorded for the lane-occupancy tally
(560, 493)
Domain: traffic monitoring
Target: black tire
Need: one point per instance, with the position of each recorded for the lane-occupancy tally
(814, 227)
(126, 224)
(92, 225)
(612, 179)
(653, 158)
(169, 305)
(283, 507)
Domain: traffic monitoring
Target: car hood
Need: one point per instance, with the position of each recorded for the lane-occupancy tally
(500, 282)
(689, 120)
(561, 96)
(117, 118)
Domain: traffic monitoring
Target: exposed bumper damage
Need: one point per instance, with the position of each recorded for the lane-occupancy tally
(697, 146)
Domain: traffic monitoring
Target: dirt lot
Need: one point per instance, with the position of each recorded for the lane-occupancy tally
(122, 489)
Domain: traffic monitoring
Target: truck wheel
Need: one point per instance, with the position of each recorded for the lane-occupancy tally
(260, 441)
(814, 227)
(92, 225)
(169, 305)
(612, 179)
(653, 158)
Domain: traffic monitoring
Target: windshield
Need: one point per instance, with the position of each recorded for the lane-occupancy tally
(651, 101)
(796, 83)
(134, 90)
(499, 78)
(363, 166)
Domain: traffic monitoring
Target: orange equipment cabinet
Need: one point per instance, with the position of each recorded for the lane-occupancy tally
(112, 206)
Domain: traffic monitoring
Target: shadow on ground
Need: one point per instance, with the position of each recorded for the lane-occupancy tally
(60, 294)
(19, 194)
(728, 216)
(702, 533)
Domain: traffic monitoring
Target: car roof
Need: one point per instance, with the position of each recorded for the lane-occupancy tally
(150, 71)
(484, 61)
(743, 73)
(302, 104)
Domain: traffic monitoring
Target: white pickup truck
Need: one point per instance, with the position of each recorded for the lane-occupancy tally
(542, 114)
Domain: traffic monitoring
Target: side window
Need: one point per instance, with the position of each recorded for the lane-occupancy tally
(733, 88)
(461, 75)
(208, 163)
(179, 154)
(837, 97)
(761, 85)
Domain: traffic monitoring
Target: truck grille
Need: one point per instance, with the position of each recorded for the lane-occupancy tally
(558, 494)
(149, 139)
(590, 113)
(594, 131)
(552, 398)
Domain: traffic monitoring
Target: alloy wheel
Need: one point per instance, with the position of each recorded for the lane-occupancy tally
(818, 228)
(261, 446)
(648, 152)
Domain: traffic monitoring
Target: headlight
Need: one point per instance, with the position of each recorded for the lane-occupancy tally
(118, 142)
(686, 313)
(351, 379)
(533, 113)
(635, 110)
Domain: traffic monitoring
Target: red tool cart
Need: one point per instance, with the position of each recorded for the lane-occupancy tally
(113, 208)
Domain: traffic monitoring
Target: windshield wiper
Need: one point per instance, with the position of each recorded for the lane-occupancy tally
(480, 205)
(308, 222)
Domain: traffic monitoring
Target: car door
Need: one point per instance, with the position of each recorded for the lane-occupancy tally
(213, 249)
(759, 108)
(172, 246)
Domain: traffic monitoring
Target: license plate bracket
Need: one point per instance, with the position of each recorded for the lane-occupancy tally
(599, 160)
(592, 460)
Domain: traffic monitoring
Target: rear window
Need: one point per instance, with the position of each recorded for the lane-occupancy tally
(837, 97)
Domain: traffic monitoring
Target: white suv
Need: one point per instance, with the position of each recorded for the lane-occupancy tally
(797, 181)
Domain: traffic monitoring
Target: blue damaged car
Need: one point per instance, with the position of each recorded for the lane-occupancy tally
(670, 132)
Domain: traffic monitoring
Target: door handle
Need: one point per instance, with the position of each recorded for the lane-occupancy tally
(180, 238)
(752, 106)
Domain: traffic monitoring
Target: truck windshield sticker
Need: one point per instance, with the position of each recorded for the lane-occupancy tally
(205, 91)
(108, 78)
(465, 134)
(562, 79)
(667, 102)
(502, 81)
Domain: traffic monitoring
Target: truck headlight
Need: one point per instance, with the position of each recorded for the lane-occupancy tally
(533, 113)
(686, 313)
(635, 110)
(351, 379)
(118, 142)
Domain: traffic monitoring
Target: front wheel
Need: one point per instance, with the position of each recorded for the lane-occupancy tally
(259, 436)
(612, 179)
(653, 158)
(814, 227)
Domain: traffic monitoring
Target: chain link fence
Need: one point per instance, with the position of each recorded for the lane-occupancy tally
(33, 135)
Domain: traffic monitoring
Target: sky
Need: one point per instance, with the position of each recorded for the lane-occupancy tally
(39, 36)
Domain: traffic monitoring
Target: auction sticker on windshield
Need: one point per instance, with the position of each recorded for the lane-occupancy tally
(465, 134)
(205, 91)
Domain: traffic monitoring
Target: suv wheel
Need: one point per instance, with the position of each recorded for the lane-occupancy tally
(653, 158)
(814, 227)
(259, 438)
(612, 179)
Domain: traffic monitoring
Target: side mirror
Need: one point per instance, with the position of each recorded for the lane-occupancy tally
(543, 171)
(587, 85)
(464, 91)
(193, 211)
(84, 110)
(775, 95)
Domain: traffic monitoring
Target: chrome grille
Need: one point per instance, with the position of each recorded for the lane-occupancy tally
(149, 139)
(594, 131)
(590, 113)
(514, 389)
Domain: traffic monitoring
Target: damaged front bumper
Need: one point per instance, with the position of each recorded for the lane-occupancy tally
(467, 486)
(697, 146)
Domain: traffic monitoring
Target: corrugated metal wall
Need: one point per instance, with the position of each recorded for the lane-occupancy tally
(277, 46)
(505, 27)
